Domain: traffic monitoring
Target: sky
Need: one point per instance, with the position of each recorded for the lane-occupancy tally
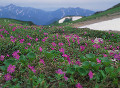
(51, 5)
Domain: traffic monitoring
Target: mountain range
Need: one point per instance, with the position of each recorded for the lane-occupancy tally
(38, 16)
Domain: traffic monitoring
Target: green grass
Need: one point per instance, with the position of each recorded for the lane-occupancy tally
(8, 20)
(105, 74)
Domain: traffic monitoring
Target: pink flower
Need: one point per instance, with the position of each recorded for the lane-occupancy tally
(26, 47)
(32, 68)
(57, 36)
(99, 61)
(92, 41)
(86, 44)
(78, 85)
(21, 41)
(82, 48)
(64, 55)
(2, 58)
(78, 41)
(66, 78)
(85, 33)
(105, 47)
(40, 48)
(43, 40)
(110, 46)
(14, 29)
(42, 61)
(45, 33)
(117, 47)
(60, 44)
(15, 55)
(52, 48)
(30, 38)
(11, 68)
(53, 44)
(36, 39)
(62, 50)
(8, 77)
(90, 74)
(29, 44)
(96, 46)
(111, 53)
(78, 62)
(68, 59)
(73, 39)
(104, 55)
(8, 55)
(59, 71)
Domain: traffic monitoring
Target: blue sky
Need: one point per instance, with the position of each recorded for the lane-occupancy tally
(49, 5)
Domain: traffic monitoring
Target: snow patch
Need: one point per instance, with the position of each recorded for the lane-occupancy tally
(63, 19)
(73, 18)
(76, 18)
(113, 25)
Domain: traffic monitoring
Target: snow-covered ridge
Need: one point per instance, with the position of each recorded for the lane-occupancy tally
(72, 17)
(113, 25)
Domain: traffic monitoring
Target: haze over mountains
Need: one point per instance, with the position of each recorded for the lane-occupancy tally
(38, 16)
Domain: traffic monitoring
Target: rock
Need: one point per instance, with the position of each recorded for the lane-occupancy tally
(0, 74)
(97, 40)
(115, 51)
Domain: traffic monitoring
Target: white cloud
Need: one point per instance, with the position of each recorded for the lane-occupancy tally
(54, 4)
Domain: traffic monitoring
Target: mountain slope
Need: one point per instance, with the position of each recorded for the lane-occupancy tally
(13, 21)
(111, 13)
(38, 16)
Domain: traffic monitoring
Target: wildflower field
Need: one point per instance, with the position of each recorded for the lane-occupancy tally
(58, 57)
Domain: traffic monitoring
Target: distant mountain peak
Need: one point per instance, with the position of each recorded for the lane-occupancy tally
(11, 5)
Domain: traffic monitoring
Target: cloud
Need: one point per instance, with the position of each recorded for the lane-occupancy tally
(54, 4)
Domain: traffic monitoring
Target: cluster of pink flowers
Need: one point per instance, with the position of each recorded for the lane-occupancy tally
(11, 68)
(59, 71)
(1, 36)
(117, 56)
(45, 33)
(29, 44)
(78, 85)
(60, 44)
(82, 48)
(2, 57)
(15, 54)
(99, 61)
(21, 41)
(42, 61)
(54, 44)
(62, 50)
(90, 74)
(36, 39)
(40, 48)
(96, 46)
(12, 39)
(7, 77)
(32, 68)
(45, 39)
(14, 29)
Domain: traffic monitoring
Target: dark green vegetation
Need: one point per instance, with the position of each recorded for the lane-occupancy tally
(106, 73)
(8, 20)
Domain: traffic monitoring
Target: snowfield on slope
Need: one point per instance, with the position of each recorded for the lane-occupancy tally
(113, 25)
(73, 18)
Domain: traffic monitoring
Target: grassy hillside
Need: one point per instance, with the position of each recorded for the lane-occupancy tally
(57, 57)
(7, 20)
(108, 12)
